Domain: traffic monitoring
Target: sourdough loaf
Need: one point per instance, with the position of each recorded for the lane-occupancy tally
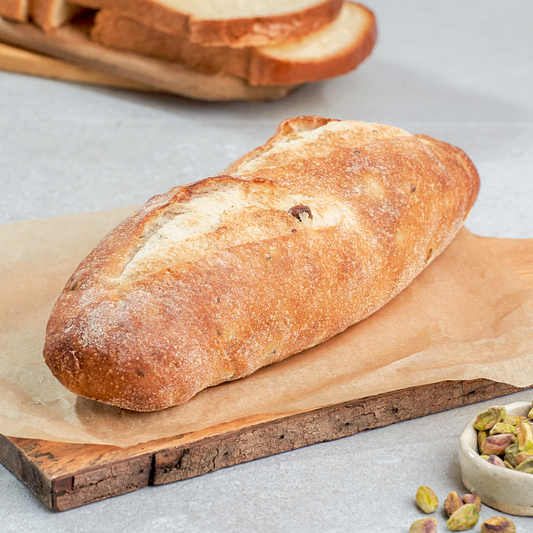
(229, 22)
(291, 244)
(334, 50)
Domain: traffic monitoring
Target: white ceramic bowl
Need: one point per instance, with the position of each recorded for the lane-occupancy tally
(500, 488)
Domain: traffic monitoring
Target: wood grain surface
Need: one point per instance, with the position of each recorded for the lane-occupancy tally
(65, 476)
(24, 62)
(71, 44)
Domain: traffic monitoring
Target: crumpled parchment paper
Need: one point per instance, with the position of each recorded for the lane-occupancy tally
(465, 317)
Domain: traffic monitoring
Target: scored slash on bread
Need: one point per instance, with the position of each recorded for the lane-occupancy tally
(332, 51)
(290, 245)
(231, 23)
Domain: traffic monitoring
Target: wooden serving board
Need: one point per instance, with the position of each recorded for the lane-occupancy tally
(25, 62)
(65, 476)
(71, 44)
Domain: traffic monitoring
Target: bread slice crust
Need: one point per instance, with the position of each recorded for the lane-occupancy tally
(52, 14)
(14, 10)
(318, 56)
(211, 281)
(234, 29)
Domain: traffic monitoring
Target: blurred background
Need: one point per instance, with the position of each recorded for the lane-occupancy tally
(459, 71)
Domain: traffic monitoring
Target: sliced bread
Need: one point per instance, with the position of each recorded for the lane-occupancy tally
(14, 10)
(51, 14)
(234, 23)
(124, 33)
(332, 51)
(71, 43)
(91, 4)
(335, 50)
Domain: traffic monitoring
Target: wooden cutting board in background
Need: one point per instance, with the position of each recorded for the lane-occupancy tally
(24, 62)
(65, 476)
(72, 45)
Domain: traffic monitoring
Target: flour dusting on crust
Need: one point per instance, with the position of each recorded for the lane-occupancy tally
(293, 243)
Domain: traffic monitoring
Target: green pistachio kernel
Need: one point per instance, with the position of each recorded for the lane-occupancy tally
(499, 524)
(426, 499)
(466, 517)
(424, 525)
(488, 418)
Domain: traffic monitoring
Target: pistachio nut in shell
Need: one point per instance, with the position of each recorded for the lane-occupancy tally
(524, 434)
(500, 428)
(499, 524)
(426, 499)
(530, 414)
(488, 418)
(472, 498)
(466, 517)
(452, 502)
(508, 465)
(496, 461)
(526, 466)
(496, 444)
(424, 525)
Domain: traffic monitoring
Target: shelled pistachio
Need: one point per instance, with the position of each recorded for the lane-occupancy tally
(424, 525)
(426, 499)
(505, 440)
(452, 502)
(499, 524)
(466, 517)
(510, 454)
(523, 456)
(524, 434)
(496, 461)
(481, 436)
(526, 466)
(501, 427)
(490, 417)
(511, 419)
(472, 498)
(496, 444)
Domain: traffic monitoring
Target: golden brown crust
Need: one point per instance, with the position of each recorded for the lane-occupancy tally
(91, 4)
(40, 13)
(124, 33)
(14, 10)
(235, 32)
(238, 33)
(51, 14)
(143, 326)
(267, 70)
(258, 65)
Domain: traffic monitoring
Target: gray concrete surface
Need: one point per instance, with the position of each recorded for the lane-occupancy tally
(460, 71)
